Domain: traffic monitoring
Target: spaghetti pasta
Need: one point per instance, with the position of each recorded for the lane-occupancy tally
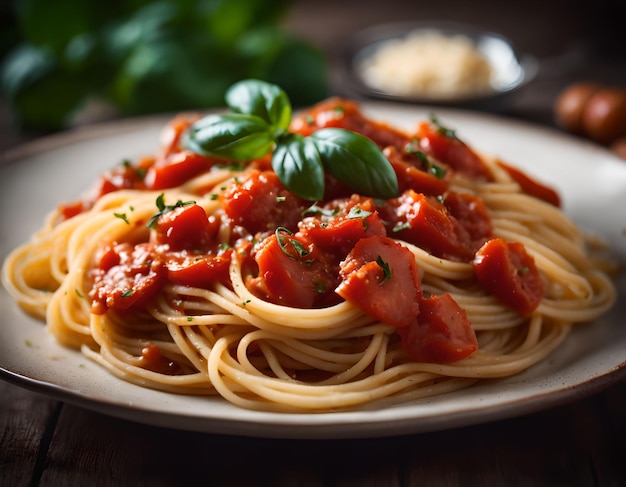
(226, 330)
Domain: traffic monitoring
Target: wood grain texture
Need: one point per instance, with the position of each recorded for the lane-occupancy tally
(27, 420)
(580, 444)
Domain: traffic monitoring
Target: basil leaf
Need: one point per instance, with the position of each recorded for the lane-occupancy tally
(299, 167)
(232, 136)
(264, 100)
(357, 162)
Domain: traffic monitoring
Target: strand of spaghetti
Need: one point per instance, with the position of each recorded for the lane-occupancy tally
(580, 311)
(431, 265)
(127, 364)
(484, 311)
(206, 313)
(486, 365)
(323, 393)
(372, 352)
(290, 394)
(184, 384)
(440, 387)
(275, 362)
(207, 181)
(500, 341)
(492, 365)
(23, 280)
(382, 358)
(314, 357)
(533, 336)
(345, 366)
(551, 215)
(333, 316)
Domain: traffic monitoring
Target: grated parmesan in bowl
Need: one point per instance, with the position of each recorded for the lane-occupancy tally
(440, 63)
(428, 63)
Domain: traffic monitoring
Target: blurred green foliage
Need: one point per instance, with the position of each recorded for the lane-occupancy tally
(146, 56)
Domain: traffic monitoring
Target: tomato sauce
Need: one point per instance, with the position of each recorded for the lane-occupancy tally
(302, 254)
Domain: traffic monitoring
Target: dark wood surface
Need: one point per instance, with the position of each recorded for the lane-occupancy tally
(583, 443)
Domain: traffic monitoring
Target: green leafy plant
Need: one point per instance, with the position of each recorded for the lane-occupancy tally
(146, 56)
(259, 123)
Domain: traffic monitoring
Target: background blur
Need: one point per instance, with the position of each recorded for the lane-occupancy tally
(67, 62)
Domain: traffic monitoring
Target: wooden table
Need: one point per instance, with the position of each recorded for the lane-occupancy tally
(47, 442)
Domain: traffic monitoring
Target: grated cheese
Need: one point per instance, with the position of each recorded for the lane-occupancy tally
(428, 64)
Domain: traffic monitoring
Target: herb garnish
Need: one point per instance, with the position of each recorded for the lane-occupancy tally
(163, 208)
(356, 212)
(385, 267)
(450, 133)
(401, 226)
(122, 216)
(296, 245)
(259, 123)
(315, 209)
(140, 172)
(427, 163)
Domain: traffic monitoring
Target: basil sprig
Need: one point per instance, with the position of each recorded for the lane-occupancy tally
(259, 123)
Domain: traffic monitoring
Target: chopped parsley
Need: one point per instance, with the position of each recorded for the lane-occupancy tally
(356, 212)
(441, 129)
(427, 164)
(385, 267)
(296, 245)
(163, 208)
(315, 209)
(401, 226)
(122, 216)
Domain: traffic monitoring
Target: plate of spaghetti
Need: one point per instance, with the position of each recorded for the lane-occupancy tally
(347, 270)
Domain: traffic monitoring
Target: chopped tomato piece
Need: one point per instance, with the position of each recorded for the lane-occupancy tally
(341, 113)
(411, 175)
(185, 227)
(531, 186)
(451, 151)
(122, 176)
(442, 332)
(292, 272)
(471, 212)
(261, 203)
(198, 270)
(175, 169)
(380, 276)
(509, 273)
(169, 140)
(338, 227)
(126, 276)
(425, 222)
(69, 210)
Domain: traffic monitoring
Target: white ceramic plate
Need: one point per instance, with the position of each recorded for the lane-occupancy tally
(593, 186)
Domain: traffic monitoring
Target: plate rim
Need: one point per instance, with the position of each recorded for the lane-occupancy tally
(334, 429)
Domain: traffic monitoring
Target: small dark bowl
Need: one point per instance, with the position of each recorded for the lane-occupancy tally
(511, 70)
